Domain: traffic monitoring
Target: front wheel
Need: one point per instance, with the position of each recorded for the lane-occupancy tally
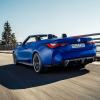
(37, 64)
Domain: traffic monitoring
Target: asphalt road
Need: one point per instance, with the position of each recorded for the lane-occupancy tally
(22, 83)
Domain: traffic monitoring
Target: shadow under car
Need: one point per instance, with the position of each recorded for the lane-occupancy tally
(21, 77)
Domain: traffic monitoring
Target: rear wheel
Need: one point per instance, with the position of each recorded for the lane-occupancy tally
(37, 64)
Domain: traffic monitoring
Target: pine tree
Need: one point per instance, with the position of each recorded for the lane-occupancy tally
(13, 39)
(7, 36)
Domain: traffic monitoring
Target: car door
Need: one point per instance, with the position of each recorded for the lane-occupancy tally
(25, 50)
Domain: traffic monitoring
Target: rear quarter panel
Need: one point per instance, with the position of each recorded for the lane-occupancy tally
(44, 52)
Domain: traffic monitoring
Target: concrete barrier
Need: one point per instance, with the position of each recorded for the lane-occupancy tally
(6, 51)
(98, 57)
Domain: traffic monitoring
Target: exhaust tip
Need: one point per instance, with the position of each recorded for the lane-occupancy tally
(66, 63)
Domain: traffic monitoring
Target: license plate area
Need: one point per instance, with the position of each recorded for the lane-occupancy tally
(81, 45)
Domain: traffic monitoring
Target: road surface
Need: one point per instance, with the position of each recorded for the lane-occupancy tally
(22, 83)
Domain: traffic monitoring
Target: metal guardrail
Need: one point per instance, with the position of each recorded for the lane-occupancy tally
(93, 34)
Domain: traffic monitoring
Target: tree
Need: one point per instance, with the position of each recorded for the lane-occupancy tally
(13, 38)
(7, 36)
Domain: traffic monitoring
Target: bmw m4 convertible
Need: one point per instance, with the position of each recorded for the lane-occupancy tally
(41, 51)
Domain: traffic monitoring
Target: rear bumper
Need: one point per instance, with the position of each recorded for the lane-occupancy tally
(73, 56)
(85, 60)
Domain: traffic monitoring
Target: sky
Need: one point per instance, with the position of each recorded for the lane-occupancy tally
(73, 17)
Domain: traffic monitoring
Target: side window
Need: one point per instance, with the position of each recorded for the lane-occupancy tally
(30, 40)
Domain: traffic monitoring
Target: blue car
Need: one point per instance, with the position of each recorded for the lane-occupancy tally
(41, 51)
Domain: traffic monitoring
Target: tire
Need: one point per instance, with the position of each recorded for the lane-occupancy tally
(15, 59)
(37, 64)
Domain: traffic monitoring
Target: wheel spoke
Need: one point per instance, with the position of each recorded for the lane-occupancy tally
(36, 63)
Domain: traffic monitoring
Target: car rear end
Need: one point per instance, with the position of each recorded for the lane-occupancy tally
(72, 50)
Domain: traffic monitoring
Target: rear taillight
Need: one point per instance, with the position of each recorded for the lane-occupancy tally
(54, 45)
(91, 42)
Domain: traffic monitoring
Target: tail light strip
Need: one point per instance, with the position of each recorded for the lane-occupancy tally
(54, 45)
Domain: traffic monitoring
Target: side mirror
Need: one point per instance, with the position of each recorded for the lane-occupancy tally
(19, 43)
